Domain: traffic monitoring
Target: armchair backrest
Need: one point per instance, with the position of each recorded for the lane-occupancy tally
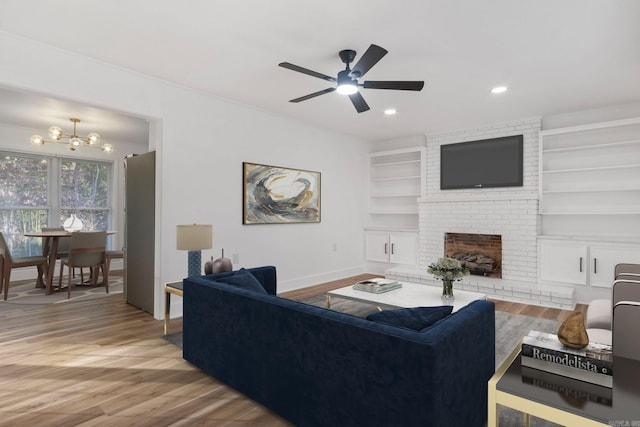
(626, 317)
(626, 268)
(625, 290)
(87, 248)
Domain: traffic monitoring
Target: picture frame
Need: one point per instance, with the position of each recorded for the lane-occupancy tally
(279, 195)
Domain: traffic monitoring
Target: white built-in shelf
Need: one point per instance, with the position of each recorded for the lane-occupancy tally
(590, 179)
(598, 168)
(395, 178)
(406, 162)
(394, 212)
(395, 195)
(591, 147)
(591, 190)
(396, 181)
(591, 213)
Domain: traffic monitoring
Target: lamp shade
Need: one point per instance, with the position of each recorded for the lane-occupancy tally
(194, 237)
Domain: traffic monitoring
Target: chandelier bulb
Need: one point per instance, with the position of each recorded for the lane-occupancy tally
(107, 148)
(37, 140)
(93, 138)
(55, 133)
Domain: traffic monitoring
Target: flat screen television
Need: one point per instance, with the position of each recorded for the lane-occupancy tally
(495, 162)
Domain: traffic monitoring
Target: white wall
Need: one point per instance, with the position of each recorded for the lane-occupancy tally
(594, 115)
(201, 145)
(397, 143)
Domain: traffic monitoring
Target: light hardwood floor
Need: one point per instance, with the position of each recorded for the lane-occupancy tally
(104, 362)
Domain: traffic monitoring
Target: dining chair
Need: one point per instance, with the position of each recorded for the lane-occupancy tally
(86, 249)
(115, 254)
(9, 263)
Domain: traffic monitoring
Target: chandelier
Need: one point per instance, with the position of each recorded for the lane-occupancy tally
(74, 140)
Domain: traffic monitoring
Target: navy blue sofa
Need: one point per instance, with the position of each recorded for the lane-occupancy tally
(318, 367)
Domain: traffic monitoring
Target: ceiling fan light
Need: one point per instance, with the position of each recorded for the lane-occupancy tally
(347, 89)
(37, 140)
(55, 133)
(93, 138)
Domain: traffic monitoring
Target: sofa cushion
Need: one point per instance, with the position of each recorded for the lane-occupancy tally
(245, 280)
(416, 318)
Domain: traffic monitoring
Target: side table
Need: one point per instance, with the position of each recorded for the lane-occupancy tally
(174, 288)
(563, 400)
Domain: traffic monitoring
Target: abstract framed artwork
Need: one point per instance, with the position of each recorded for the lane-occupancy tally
(278, 195)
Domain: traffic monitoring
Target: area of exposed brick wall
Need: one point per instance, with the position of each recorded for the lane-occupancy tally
(510, 212)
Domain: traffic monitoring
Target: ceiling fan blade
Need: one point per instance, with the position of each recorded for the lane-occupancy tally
(406, 85)
(306, 71)
(313, 95)
(359, 102)
(368, 60)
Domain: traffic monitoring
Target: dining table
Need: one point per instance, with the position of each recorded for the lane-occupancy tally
(50, 242)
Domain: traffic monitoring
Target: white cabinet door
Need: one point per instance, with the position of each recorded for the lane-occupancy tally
(377, 246)
(404, 248)
(603, 260)
(563, 262)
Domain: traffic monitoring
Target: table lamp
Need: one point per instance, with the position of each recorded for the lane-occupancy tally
(194, 238)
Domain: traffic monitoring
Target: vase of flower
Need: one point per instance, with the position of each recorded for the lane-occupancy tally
(448, 270)
(447, 289)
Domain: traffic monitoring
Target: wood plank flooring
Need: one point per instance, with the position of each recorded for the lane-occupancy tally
(104, 362)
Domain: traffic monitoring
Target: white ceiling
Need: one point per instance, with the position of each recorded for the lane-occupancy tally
(28, 110)
(555, 56)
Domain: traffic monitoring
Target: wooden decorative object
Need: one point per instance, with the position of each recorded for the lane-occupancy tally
(572, 332)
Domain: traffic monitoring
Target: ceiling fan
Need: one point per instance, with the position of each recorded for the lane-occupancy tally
(347, 79)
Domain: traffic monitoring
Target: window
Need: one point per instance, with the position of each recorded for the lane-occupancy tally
(40, 191)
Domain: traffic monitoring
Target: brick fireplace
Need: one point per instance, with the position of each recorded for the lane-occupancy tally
(481, 254)
(511, 213)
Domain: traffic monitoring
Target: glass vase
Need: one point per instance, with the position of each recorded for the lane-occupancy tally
(447, 290)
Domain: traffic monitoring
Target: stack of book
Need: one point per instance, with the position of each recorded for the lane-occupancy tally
(593, 364)
(377, 285)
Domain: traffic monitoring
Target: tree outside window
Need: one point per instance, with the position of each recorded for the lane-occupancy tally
(41, 191)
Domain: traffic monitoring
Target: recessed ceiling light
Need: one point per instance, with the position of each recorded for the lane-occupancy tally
(390, 111)
(499, 89)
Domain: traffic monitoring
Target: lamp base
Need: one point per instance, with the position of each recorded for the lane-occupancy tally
(195, 263)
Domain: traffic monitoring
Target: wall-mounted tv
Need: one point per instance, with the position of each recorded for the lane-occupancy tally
(495, 162)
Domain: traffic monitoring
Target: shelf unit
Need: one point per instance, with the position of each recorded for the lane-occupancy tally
(396, 180)
(590, 181)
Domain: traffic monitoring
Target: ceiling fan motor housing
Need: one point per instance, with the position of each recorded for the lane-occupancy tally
(347, 56)
(344, 77)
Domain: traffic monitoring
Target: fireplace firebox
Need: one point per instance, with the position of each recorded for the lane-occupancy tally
(481, 254)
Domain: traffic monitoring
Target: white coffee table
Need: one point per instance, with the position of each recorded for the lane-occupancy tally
(409, 295)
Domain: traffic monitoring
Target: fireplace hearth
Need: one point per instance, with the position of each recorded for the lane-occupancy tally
(481, 254)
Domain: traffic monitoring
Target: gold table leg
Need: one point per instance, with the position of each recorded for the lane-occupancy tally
(167, 306)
